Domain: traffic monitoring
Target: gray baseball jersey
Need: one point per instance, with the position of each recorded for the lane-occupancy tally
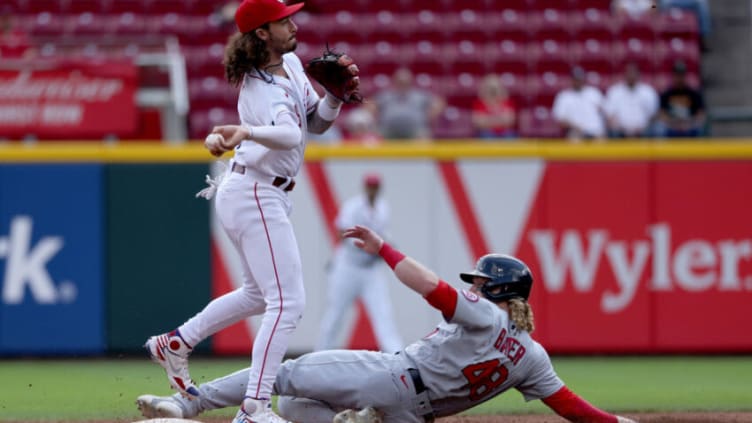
(478, 354)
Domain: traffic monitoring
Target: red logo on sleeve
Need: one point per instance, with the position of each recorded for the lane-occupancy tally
(470, 296)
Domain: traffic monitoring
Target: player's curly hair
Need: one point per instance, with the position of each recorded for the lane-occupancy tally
(521, 314)
(244, 52)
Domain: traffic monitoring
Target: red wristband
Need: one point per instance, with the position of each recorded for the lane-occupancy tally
(390, 255)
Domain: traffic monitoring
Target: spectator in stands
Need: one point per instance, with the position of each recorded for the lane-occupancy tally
(360, 127)
(632, 8)
(494, 114)
(14, 42)
(682, 112)
(631, 105)
(700, 8)
(404, 111)
(579, 109)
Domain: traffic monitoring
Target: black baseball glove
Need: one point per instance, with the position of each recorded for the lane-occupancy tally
(338, 74)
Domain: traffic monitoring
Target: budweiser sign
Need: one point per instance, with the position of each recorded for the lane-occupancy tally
(67, 100)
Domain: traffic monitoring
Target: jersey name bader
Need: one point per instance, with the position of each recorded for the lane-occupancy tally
(509, 346)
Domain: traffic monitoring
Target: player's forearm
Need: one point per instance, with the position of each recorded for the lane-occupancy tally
(275, 137)
(411, 273)
(326, 112)
(569, 405)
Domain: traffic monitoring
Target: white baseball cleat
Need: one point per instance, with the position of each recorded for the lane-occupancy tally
(171, 352)
(366, 415)
(621, 419)
(152, 406)
(262, 412)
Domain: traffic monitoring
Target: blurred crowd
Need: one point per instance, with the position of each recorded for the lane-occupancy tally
(402, 110)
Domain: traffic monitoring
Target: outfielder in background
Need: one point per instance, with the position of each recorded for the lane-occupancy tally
(354, 273)
(277, 107)
(481, 349)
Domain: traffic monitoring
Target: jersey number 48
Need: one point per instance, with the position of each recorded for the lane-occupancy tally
(485, 377)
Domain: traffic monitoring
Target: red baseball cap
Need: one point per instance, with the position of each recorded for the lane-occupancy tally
(251, 14)
(372, 180)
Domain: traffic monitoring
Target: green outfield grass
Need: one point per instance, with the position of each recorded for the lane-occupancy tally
(106, 389)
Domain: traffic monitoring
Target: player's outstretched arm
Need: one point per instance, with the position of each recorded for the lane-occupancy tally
(413, 274)
(572, 407)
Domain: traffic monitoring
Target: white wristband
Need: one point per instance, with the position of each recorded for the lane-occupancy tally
(326, 109)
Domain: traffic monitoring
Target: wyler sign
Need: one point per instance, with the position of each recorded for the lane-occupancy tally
(51, 260)
(66, 99)
(643, 256)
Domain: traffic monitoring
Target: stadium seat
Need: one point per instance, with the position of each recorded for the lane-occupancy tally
(636, 51)
(550, 56)
(128, 23)
(550, 24)
(543, 89)
(561, 5)
(508, 25)
(201, 121)
(468, 57)
(641, 29)
(426, 25)
(453, 123)
(48, 24)
(509, 57)
(668, 52)
(380, 58)
(468, 25)
(594, 55)
(592, 24)
(537, 122)
(425, 56)
(677, 23)
(343, 26)
(604, 5)
(89, 24)
(387, 26)
(518, 5)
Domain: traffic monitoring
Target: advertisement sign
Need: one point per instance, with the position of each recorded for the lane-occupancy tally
(51, 259)
(642, 256)
(67, 99)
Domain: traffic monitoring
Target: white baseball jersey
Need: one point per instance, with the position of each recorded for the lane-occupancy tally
(255, 215)
(262, 103)
(356, 274)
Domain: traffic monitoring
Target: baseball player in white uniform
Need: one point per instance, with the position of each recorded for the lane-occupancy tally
(481, 349)
(354, 273)
(277, 107)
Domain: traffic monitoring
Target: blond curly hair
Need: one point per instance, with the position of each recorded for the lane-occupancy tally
(521, 314)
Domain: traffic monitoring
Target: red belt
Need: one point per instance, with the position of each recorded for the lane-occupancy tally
(278, 181)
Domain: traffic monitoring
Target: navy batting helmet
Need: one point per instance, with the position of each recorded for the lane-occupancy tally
(510, 274)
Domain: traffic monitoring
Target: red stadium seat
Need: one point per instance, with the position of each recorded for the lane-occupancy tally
(538, 122)
(453, 123)
(509, 25)
(380, 58)
(510, 57)
(201, 122)
(129, 23)
(425, 57)
(37, 6)
(468, 25)
(551, 56)
(48, 24)
(677, 23)
(427, 25)
(562, 5)
(550, 24)
(342, 26)
(592, 24)
(635, 51)
(594, 55)
(641, 29)
(82, 6)
(388, 26)
(604, 5)
(89, 24)
(500, 5)
(668, 52)
(543, 89)
(468, 57)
